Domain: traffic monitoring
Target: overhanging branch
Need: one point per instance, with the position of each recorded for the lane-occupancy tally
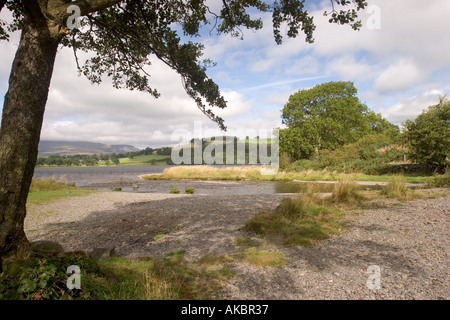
(89, 6)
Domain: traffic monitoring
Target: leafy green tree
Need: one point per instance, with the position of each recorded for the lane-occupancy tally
(121, 37)
(326, 116)
(428, 136)
(114, 159)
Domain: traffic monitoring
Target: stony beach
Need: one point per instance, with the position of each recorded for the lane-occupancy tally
(398, 250)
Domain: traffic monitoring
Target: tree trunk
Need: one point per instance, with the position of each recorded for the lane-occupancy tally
(23, 113)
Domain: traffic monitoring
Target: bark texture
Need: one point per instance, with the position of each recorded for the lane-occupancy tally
(23, 113)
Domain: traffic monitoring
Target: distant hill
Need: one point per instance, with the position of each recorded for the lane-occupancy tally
(64, 148)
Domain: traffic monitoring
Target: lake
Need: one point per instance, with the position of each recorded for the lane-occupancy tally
(127, 178)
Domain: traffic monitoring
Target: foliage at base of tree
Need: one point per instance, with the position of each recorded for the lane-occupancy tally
(369, 155)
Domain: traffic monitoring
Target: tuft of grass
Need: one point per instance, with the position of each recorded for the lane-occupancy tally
(174, 190)
(189, 190)
(395, 187)
(346, 191)
(298, 221)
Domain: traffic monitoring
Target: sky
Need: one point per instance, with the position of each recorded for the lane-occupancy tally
(399, 61)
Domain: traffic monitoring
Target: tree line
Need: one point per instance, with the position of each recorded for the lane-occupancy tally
(96, 159)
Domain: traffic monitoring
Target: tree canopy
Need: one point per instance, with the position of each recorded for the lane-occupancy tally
(326, 116)
(124, 35)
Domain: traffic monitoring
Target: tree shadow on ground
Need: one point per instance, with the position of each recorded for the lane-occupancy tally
(200, 224)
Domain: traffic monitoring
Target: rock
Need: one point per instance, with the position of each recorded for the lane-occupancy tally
(45, 246)
(102, 253)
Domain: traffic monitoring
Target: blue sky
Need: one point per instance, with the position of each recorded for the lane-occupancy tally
(398, 61)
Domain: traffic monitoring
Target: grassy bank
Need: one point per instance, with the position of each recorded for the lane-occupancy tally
(41, 277)
(311, 216)
(254, 173)
(44, 191)
(307, 218)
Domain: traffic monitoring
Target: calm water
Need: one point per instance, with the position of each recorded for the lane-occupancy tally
(88, 176)
(127, 178)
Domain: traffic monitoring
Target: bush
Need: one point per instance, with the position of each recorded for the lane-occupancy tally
(304, 164)
(441, 181)
(361, 156)
(428, 136)
(285, 160)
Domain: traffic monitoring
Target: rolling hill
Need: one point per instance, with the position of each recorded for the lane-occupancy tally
(63, 148)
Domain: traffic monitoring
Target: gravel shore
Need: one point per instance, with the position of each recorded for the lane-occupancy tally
(397, 251)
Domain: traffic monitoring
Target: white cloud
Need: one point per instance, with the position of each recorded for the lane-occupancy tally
(348, 68)
(279, 98)
(411, 107)
(304, 66)
(399, 76)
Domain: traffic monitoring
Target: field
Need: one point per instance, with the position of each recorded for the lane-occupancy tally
(145, 160)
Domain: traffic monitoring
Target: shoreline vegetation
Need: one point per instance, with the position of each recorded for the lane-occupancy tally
(204, 172)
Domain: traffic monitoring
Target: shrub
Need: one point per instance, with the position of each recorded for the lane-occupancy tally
(441, 180)
(285, 160)
(304, 164)
(428, 136)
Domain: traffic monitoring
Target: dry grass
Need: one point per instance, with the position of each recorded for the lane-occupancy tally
(395, 187)
(298, 221)
(264, 258)
(203, 172)
(346, 191)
